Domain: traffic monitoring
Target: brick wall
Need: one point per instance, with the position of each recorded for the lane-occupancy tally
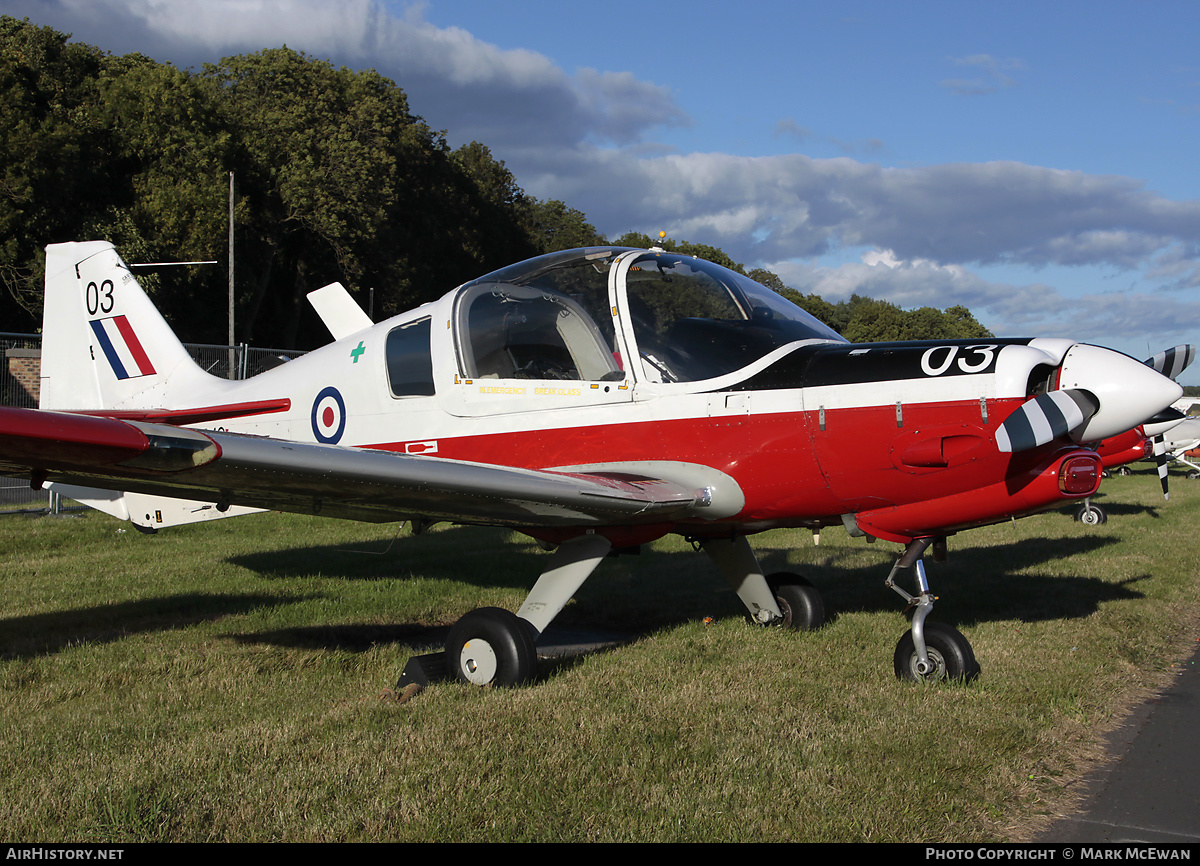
(24, 370)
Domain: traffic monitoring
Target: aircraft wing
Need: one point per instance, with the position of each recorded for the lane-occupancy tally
(332, 480)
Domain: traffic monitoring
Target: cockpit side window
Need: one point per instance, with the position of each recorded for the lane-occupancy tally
(409, 362)
(581, 275)
(521, 332)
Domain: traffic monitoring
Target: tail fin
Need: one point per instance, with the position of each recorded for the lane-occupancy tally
(104, 344)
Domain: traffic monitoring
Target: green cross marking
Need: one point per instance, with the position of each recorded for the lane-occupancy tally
(354, 353)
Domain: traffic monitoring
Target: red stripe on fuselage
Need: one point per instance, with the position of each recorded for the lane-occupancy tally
(198, 415)
(788, 468)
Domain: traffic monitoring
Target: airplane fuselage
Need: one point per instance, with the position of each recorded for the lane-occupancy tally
(901, 435)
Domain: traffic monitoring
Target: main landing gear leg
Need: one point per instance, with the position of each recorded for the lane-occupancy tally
(783, 598)
(491, 646)
(930, 651)
(570, 565)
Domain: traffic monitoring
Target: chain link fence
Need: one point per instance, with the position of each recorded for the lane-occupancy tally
(245, 361)
(20, 381)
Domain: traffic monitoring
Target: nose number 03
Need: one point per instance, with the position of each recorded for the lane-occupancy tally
(974, 359)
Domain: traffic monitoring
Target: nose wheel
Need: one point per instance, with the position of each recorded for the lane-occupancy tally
(948, 656)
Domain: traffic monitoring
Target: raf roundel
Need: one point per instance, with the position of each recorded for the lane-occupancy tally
(329, 416)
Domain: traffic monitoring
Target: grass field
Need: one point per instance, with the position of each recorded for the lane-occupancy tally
(232, 682)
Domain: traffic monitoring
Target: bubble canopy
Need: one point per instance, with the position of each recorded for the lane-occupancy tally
(585, 313)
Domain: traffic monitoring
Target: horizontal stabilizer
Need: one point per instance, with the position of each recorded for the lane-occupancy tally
(197, 415)
(148, 512)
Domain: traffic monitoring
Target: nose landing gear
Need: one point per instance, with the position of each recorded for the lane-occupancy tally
(929, 651)
(1092, 515)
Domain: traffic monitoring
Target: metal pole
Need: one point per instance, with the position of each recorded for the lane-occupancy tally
(232, 368)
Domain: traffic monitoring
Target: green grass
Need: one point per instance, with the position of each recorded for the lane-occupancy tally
(232, 682)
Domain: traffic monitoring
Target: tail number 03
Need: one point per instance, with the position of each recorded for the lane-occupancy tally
(973, 359)
(100, 298)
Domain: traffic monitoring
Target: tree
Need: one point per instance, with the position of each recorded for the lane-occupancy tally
(769, 279)
(875, 322)
(496, 221)
(490, 176)
(54, 155)
(173, 153)
(336, 180)
(962, 324)
(554, 226)
(319, 167)
(342, 182)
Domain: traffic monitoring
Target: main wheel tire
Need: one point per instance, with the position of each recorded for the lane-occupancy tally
(798, 600)
(949, 652)
(491, 647)
(1092, 515)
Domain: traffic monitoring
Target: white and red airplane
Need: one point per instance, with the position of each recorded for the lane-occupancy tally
(594, 399)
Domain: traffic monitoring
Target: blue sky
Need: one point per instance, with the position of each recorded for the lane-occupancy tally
(1033, 161)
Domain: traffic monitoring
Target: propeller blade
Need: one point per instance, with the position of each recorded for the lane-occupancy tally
(1165, 420)
(1045, 418)
(1173, 361)
(1160, 458)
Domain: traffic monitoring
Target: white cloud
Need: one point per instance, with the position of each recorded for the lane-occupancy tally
(994, 75)
(1118, 319)
(771, 208)
(474, 90)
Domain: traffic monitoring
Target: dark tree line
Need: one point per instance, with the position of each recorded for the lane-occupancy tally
(335, 179)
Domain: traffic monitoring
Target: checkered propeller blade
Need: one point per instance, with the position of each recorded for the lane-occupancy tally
(1173, 361)
(1160, 459)
(1044, 419)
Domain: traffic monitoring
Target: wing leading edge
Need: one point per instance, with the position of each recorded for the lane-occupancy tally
(333, 480)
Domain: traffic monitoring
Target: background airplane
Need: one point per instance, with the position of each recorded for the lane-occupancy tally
(1182, 444)
(594, 399)
(1147, 441)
